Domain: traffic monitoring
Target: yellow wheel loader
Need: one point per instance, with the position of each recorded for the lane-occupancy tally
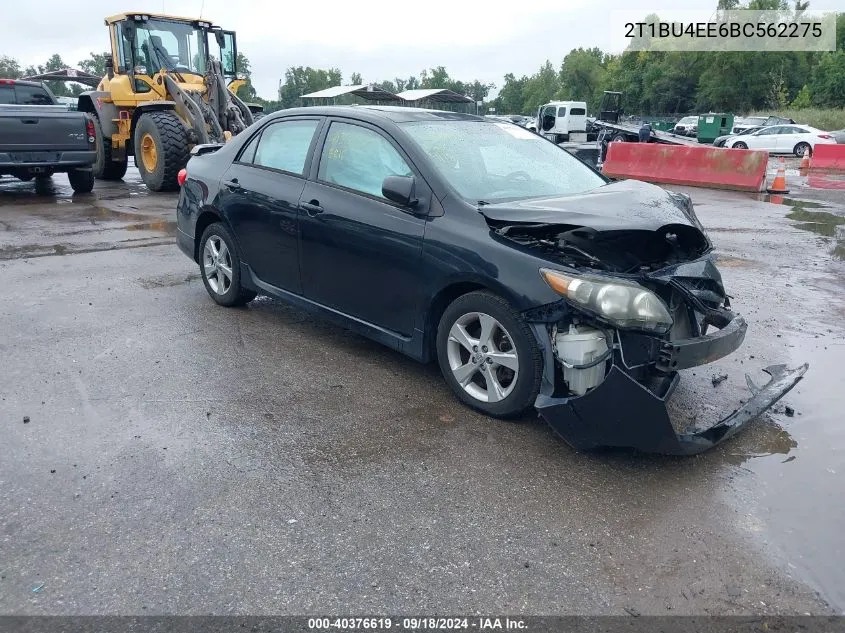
(170, 84)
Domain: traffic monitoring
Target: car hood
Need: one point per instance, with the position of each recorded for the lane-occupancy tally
(622, 205)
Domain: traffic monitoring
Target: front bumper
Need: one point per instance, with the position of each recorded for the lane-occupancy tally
(623, 412)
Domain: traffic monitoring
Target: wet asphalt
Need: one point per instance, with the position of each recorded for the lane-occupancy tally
(163, 455)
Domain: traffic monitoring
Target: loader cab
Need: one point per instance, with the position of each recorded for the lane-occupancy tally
(146, 44)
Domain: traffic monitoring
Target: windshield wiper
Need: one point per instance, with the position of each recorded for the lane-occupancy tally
(482, 203)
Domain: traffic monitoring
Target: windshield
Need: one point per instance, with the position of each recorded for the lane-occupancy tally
(753, 121)
(687, 120)
(495, 162)
(166, 45)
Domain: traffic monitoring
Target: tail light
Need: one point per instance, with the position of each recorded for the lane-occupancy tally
(7, 82)
(92, 133)
(825, 136)
(182, 176)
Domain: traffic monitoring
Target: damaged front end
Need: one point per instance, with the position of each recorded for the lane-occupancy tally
(638, 305)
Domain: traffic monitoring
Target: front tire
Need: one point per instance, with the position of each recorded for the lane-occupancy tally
(220, 267)
(488, 355)
(739, 145)
(81, 180)
(161, 149)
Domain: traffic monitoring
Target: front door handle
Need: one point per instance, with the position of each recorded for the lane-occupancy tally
(312, 208)
(232, 185)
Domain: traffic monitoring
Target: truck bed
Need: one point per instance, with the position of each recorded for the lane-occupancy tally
(660, 137)
(45, 136)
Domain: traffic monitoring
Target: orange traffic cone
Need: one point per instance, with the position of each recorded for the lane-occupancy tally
(779, 184)
(805, 161)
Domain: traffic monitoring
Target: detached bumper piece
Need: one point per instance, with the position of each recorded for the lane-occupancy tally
(623, 413)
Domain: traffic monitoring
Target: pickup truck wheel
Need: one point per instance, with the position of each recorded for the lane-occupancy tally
(220, 267)
(81, 180)
(488, 355)
(104, 167)
(161, 149)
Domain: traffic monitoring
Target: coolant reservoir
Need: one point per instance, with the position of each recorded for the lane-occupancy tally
(580, 346)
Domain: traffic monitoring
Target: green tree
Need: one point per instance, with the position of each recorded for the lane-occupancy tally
(803, 99)
(581, 76)
(541, 87)
(301, 80)
(828, 85)
(511, 97)
(95, 64)
(356, 79)
(9, 68)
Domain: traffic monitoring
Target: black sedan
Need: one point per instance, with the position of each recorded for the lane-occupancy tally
(532, 279)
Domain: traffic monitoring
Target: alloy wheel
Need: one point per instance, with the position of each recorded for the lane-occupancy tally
(217, 264)
(482, 357)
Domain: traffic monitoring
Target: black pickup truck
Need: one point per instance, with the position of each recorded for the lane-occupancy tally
(39, 137)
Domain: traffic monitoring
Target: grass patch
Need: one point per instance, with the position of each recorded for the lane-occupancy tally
(828, 119)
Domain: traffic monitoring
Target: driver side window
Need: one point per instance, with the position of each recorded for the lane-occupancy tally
(360, 159)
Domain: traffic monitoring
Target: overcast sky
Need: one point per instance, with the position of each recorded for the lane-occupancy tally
(381, 39)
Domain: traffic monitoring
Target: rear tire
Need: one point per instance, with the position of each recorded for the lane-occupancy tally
(220, 267)
(104, 167)
(511, 341)
(81, 180)
(801, 148)
(161, 149)
(739, 145)
(618, 138)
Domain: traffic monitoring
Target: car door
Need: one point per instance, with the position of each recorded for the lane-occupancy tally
(788, 138)
(767, 140)
(260, 193)
(359, 252)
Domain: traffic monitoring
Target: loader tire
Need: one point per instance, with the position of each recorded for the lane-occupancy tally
(104, 167)
(161, 149)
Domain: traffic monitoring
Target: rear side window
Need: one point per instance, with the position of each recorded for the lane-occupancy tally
(577, 112)
(32, 95)
(7, 94)
(284, 146)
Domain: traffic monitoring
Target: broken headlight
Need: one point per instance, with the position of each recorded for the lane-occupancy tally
(624, 304)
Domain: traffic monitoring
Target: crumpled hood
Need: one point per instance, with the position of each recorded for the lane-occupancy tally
(626, 204)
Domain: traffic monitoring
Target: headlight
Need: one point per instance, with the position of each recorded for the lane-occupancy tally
(625, 304)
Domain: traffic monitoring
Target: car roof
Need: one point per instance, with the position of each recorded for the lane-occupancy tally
(373, 113)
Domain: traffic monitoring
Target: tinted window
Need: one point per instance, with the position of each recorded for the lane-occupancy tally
(248, 152)
(285, 145)
(32, 95)
(360, 159)
(7, 94)
(577, 112)
(561, 111)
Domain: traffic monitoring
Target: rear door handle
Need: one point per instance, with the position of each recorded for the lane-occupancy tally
(311, 208)
(232, 185)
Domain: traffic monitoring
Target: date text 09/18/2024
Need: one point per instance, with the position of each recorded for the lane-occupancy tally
(417, 623)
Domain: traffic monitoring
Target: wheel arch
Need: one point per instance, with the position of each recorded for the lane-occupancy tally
(445, 296)
(206, 217)
(141, 109)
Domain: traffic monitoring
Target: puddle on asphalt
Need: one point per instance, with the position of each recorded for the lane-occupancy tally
(821, 223)
(798, 485)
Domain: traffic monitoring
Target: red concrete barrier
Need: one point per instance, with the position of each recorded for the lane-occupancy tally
(827, 167)
(705, 166)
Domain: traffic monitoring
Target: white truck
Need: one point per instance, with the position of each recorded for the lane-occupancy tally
(562, 121)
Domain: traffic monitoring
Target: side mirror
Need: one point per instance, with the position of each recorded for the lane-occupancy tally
(399, 189)
(548, 122)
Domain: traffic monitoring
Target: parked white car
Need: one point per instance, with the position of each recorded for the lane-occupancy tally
(782, 139)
